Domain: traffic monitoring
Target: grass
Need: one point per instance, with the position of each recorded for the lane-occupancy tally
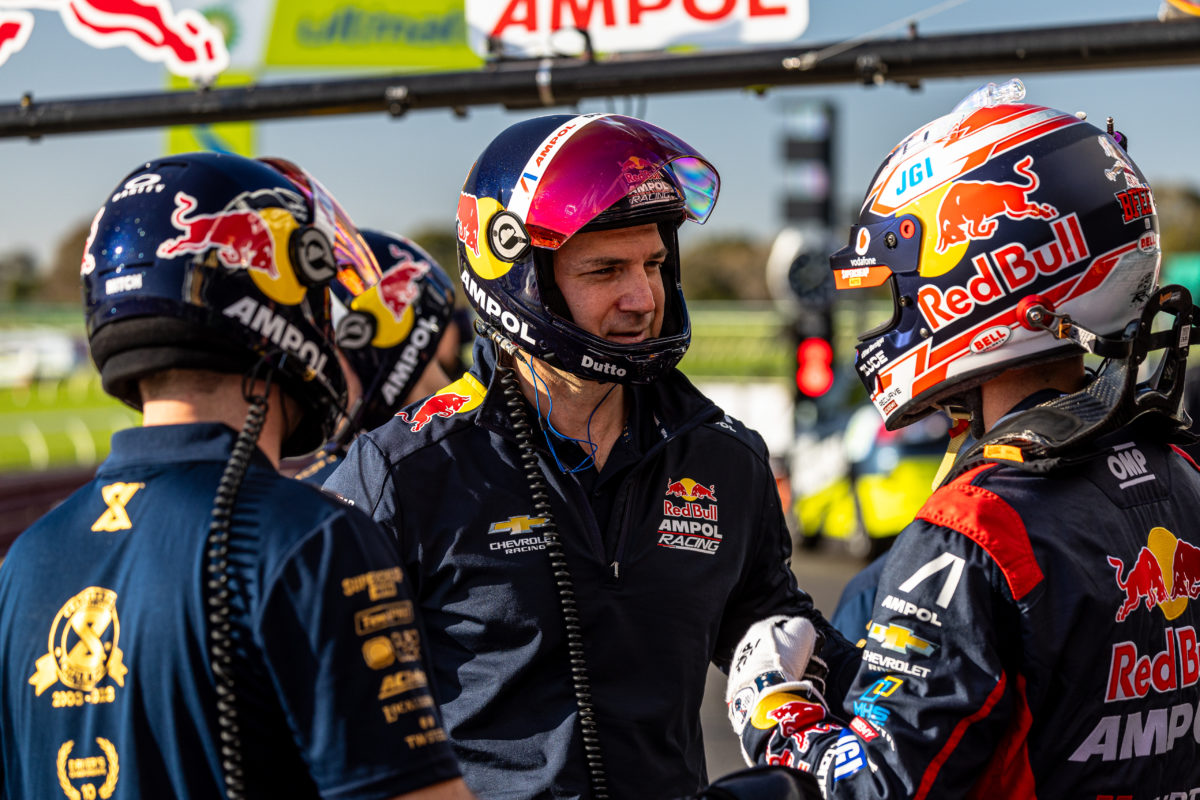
(59, 423)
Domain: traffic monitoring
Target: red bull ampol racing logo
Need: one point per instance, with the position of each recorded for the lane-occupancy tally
(693, 524)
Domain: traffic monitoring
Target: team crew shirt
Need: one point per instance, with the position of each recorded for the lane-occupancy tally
(107, 685)
(695, 550)
(1033, 635)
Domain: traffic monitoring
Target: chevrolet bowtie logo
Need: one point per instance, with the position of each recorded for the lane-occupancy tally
(899, 639)
(517, 525)
(116, 495)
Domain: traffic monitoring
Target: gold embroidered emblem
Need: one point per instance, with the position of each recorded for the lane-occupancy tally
(116, 495)
(83, 646)
(380, 584)
(70, 769)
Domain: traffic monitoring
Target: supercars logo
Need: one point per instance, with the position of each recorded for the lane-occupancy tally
(83, 649)
(1165, 573)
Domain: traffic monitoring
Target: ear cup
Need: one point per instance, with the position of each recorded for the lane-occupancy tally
(312, 256)
(355, 331)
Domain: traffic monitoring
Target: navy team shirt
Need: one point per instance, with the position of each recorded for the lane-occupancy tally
(104, 652)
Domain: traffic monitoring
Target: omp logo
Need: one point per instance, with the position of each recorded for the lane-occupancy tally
(517, 525)
(899, 639)
(116, 496)
(1128, 465)
(83, 649)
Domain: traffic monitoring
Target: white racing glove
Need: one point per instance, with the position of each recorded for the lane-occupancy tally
(776, 655)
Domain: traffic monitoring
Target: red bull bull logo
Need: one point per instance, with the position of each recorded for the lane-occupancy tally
(690, 490)
(970, 210)
(1165, 573)
(398, 287)
(443, 404)
(468, 222)
(238, 233)
(15, 27)
(184, 41)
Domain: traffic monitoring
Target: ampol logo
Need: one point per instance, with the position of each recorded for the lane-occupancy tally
(1165, 573)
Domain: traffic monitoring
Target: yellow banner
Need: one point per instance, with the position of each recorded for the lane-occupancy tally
(390, 34)
(222, 137)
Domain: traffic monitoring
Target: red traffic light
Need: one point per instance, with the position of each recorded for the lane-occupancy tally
(814, 366)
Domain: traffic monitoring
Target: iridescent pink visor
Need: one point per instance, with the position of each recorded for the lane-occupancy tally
(594, 160)
(357, 268)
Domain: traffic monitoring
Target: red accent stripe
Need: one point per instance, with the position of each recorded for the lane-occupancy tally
(956, 736)
(986, 519)
(1184, 453)
(1008, 773)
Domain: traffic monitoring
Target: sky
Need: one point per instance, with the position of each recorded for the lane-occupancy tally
(404, 174)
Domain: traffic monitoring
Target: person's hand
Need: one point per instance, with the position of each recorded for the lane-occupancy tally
(777, 655)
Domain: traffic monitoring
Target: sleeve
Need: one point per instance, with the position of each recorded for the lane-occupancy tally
(364, 479)
(338, 631)
(768, 587)
(931, 701)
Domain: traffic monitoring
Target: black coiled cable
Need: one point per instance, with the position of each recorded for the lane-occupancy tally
(220, 627)
(523, 430)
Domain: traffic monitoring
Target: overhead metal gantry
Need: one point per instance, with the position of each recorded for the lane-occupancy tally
(564, 81)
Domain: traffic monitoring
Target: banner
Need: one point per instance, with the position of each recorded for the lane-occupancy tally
(388, 34)
(532, 28)
(223, 137)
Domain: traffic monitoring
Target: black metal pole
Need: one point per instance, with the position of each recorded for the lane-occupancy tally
(553, 82)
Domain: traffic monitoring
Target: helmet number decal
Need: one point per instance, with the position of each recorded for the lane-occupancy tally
(507, 237)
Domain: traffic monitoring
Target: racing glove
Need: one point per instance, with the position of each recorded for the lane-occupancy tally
(777, 656)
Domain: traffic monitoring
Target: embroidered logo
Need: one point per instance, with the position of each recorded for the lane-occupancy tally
(83, 650)
(691, 525)
(522, 534)
(116, 496)
(70, 770)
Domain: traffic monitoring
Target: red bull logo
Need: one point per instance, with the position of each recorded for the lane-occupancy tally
(184, 41)
(443, 404)
(15, 27)
(398, 287)
(238, 233)
(970, 210)
(1166, 573)
(688, 489)
(468, 222)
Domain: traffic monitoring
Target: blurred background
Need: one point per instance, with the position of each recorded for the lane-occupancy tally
(772, 344)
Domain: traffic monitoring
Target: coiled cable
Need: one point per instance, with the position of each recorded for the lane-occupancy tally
(518, 412)
(220, 627)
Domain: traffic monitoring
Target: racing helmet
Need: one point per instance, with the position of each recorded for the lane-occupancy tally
(220, 262)
(972, 222)
(543, 180)
(389, 332)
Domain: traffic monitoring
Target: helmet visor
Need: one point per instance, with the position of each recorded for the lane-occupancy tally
(598, 160)
(357, 267)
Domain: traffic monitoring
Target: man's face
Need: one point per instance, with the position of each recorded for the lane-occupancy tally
(612, 282)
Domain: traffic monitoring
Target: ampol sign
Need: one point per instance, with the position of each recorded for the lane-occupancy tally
(526, 27)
